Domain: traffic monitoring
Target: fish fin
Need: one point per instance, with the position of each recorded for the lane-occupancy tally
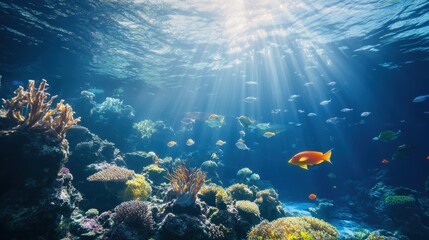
(303, 166)
(302, 159)
(327, 156)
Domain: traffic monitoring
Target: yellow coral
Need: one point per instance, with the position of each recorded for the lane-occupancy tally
(136, 189)
(294, 228)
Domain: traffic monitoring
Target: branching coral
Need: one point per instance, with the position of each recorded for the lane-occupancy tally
(136, 189)
(186, 183)
(31, 110)
(294, 228)
(112, 174)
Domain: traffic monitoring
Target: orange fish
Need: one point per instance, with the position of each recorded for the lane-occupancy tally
(384, 161)
(312, 196)
(427, 157)
(305, 158)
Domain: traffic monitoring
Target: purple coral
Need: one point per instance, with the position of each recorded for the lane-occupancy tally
(91, 224)
(64, 171)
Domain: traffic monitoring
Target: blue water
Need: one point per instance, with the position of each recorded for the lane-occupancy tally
(173, 59)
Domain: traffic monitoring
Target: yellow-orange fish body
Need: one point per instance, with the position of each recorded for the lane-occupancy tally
(303, 159)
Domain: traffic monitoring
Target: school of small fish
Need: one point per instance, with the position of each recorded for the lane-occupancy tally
(302, 159)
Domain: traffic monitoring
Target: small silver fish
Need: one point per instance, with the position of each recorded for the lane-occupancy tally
(241, 145)
(421, 98)
(365, 114)
(325, 102)
(252, 83)
(346, 110)
(334, 120)
(250, 99)
(311, 114)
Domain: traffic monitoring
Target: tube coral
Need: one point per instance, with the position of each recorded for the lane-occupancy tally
(186, 183)
(31, 110)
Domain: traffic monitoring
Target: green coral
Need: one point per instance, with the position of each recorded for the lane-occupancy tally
(294, 228)
(136, 189)
(399, 201)
(240, 191)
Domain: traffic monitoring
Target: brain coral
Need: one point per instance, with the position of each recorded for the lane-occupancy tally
(248, 207)
(294, 228)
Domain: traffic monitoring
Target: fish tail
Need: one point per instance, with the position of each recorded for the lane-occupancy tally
(327, 156)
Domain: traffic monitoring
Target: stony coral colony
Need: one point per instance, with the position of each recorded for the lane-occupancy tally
(166, 200)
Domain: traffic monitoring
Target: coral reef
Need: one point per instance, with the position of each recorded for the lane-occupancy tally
(324, 210)
(247, 207)
(37, 192)
(156, 174)
(113, 112)
(91, 154)
(211, 168)
(139, 159)
(254, 178)
(114, 106)
(244, 173)
(184, 227)
(30, 110)
(41, 214)
(240, 191)
(294, 228)
(112, 174)
(214, 195)
(186, 183)
(146, 128)
(132, 220)
(136, 189)
(269, 204)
